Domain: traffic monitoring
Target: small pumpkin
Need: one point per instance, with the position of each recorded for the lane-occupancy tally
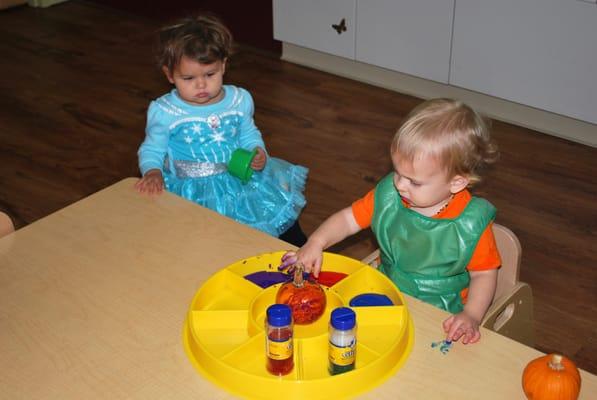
(551, 377)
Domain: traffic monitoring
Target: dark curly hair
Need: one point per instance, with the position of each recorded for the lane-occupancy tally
(202, 38)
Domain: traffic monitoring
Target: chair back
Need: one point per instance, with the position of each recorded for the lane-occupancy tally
(6, 225)
(510, 253)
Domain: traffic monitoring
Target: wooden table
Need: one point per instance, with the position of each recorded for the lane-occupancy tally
(93, 299)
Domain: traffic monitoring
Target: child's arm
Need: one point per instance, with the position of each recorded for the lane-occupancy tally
(336, 228)
(152, 151)
(480, 295)
(250, 136)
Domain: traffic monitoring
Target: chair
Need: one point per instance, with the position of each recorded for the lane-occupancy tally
(6, 225)
(511, 312)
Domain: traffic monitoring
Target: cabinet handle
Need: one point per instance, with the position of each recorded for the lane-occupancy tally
(341, 27)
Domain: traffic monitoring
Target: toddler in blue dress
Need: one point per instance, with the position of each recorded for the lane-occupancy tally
(192, 132)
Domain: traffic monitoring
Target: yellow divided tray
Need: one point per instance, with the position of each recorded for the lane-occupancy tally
(224, 333)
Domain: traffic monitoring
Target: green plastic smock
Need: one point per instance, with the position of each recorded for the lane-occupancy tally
(427, 257)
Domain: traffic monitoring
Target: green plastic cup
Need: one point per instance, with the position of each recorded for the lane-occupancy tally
(240, 164)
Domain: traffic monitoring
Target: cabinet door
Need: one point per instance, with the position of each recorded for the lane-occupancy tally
(410, 36)
(317, 24)
(542, 53)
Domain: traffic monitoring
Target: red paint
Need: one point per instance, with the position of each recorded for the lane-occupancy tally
(330, 278)
(280, 367)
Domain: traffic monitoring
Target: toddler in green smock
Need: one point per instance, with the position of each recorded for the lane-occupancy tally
(435, 238)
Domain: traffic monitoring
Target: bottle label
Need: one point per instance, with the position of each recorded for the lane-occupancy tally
(342, 355)
(279, 350)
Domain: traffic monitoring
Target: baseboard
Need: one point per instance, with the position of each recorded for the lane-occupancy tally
(4, 4)
(503, 110)
(44, 3)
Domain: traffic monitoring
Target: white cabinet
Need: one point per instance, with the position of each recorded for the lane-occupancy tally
(408, 36)
(309, 23)
(541, 53)
(411, 36)
(538, 53)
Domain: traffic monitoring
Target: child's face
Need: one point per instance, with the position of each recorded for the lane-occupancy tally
(424, 184)
(198, 84)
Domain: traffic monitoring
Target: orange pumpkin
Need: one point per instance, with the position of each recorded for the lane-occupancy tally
(306, 299)
(551, 377)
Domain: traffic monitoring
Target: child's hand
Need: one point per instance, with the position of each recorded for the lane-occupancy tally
(259, 160)
(463, 326)
(288, 260)
(151, 183)
(310, 255)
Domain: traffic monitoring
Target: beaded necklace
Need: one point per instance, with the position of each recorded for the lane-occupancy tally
(444, 206)
(438, 211)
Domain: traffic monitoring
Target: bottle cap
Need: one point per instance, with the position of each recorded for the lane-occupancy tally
(279, 315)
(343, 318)
(370, 300)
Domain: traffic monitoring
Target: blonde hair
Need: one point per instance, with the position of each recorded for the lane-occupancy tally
(452, 133)
(203, 38)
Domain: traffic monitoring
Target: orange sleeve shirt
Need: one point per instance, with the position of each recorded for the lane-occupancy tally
(484, 257)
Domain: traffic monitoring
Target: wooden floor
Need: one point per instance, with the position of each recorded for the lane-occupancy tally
(76, 82)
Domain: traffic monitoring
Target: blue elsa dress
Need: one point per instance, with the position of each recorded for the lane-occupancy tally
(192, 145)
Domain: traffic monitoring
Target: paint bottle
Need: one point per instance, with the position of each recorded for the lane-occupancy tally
(342, 341)
(278, 340)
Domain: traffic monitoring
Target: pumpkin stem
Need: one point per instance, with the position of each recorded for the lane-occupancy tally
(298, 275)
(556, 363)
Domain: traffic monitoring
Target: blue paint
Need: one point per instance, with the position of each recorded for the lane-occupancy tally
(444, 346)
